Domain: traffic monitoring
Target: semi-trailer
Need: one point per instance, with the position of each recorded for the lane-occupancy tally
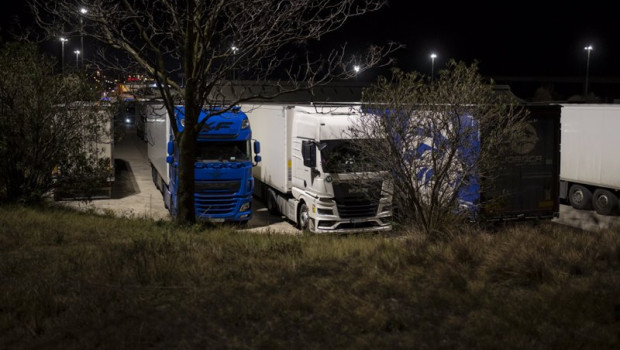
(590, 168)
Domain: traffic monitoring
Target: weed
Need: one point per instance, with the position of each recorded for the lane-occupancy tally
(75, 280)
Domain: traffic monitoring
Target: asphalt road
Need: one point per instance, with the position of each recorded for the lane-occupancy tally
(134, 194)
(587, 220)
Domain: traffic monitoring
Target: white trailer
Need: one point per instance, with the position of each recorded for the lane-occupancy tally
(94, 123)
(590, 166)
(157, 134)
(294, 180)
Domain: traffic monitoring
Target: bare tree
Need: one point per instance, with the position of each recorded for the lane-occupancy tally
(207, 42)
(440, 140)
(43, 130)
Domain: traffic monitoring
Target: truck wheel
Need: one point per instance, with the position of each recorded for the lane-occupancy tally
(272, 206)
(580, 197)
(154, 175)
(303, 217)
(605, 202)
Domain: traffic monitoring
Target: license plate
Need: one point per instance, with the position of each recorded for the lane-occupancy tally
(216, 220)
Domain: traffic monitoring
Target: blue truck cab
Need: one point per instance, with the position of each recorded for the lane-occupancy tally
(222, 169)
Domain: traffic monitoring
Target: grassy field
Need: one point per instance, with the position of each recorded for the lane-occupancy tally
(72, 280)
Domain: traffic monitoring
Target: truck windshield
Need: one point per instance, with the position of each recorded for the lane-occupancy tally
(345, 156)
(230, 151)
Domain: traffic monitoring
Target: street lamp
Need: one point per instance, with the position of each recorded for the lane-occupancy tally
(234, 50)
(589, 49)
(77, 58)
(356, 68)
(62, 54)
(83, 12)
(433, 56)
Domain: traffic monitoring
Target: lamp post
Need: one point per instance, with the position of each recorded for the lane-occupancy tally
(588, 49)
(83, 12)
(234, 50)
(433, 56)
(77, 58)
(62, 54)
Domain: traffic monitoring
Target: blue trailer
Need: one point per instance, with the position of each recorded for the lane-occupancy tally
(223, 165)
(522, 184)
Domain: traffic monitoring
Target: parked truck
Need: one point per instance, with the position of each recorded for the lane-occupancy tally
(526, 183)
(295, 178)
(223, 167)
(521, 184)
(590, 168)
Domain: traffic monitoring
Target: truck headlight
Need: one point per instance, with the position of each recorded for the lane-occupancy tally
(245, 123)
(245, 206)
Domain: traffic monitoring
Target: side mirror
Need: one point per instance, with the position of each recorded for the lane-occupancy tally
(170, 148)
(308, 153)
(169, 159)
(256, 147)
(257, 159)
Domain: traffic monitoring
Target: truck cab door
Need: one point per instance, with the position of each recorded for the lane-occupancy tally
(304, 161)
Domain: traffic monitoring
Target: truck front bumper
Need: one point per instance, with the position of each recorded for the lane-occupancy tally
(318, 225)
(238, 210)
(325, 218)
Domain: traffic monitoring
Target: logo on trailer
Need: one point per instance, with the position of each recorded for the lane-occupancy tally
(526, 142)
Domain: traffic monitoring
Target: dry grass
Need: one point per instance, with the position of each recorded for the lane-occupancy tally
(75, 281)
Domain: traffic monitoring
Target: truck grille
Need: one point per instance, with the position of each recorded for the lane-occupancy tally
(214, 205)
(357, 209)
(357, 200)
(216, 197)
(207, 187)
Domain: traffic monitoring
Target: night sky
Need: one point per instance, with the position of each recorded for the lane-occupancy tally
(508, 39)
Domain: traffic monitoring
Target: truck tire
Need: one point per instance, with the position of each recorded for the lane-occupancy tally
(161, 186)
(604, 202)
(580, 197)
(154, 175)
(303, 217)
(270, 202)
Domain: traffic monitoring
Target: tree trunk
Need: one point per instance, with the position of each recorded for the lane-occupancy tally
(186, 213)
